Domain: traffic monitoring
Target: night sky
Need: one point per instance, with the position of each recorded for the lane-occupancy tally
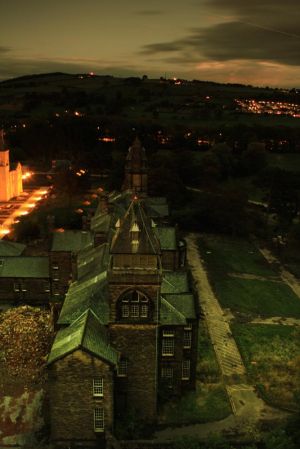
(248, 41)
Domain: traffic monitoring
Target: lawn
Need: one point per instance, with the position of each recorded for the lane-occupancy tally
(208, 403)
(271, 354)
(227, 255)
(257, 297)
(207, 365)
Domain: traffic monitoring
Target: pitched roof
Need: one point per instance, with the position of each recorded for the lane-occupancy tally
(147, 240)
(174, 282)
(101, 222)
(91, 294)
(92, 261)
(169, 315)
(86, 333)
(11, 248)
(184, 303)
(24, 267)
(72, 241)
(166, 237)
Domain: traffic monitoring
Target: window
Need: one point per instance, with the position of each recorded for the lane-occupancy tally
(168, 346)
(144, 310)
(167, 372)
(98, 387)
(187, 338)
(24, 289)
(134, 304)
(186, 369)
(125, 310)
(134, 310)
(99, 419)
(122, 368)
(54, 267)
(16, 287)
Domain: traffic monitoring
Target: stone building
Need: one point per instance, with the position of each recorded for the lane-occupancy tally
(11, 184)
(128, 326)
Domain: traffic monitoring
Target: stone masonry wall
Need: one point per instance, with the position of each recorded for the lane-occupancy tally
(71, 397)
(137, 343)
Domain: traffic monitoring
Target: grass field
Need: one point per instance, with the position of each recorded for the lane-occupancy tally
(257, 297)
(244, 281)
(271, 354)
(207, 366)
(226, 255)
(208, 403)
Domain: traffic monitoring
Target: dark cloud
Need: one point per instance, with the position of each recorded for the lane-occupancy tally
(4, 49)
(161, 47)
(262, 30)
(278, 14)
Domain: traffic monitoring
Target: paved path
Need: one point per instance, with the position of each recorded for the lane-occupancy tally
(285, 275)
(247, 407)
(243, 398)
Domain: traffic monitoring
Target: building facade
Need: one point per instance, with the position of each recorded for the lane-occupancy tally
(11, 184)
(128, 326)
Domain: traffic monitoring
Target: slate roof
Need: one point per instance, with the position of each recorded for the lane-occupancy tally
(169, 315)
(11, 248)
(101, 222)
(73, 241)
(166, 237)
(92, 261)
(24, 267)
(148, 242)
(174, 282)
(91, 294)
(183, 303)
(86, 333)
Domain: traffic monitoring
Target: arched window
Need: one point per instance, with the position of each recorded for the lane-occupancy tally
(134, 304)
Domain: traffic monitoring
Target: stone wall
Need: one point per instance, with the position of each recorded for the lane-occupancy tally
(137, 343)
(71, 397)
(33, 291)
(116, 290)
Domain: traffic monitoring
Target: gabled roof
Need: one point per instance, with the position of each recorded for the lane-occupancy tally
(93, 295)
(166, 237)
(184, 303)
(101, 222)
(71, 241)
(169, 315)
(11, 248)
(174, 282)
(85, 333)
(92, 261)
(148, 242)
(24, 267)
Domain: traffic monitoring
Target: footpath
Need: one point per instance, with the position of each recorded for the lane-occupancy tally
(247, 407)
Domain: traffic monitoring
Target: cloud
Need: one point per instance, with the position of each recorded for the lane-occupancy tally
(4, 49)
(253, 34)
